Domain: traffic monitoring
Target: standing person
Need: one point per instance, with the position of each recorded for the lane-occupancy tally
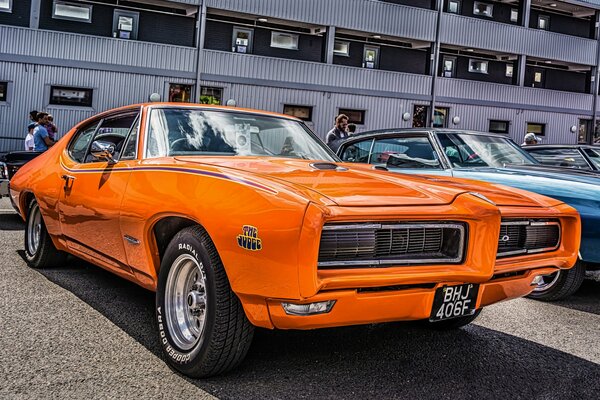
(41, 139)
(339, 130)
(530, 139)
(29, 145)
(50, 127)
(33, 116)
(351, 129)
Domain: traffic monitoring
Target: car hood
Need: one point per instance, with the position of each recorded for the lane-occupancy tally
(349, 185)
(552, 182)
(501, 195)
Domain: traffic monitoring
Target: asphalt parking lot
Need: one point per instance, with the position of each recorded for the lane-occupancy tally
(80, 332)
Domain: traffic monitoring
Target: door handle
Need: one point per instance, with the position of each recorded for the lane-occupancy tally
(68, 179)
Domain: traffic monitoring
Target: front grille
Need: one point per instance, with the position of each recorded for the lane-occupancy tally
(377, 245)
(525, 236)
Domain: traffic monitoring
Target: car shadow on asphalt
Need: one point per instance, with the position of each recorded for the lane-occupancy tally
(11, 221)
(392, 360)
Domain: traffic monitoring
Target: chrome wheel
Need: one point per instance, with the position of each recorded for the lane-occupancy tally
(185, 301)
(34, 230)
(547, 282)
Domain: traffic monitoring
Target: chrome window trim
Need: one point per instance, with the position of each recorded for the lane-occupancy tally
(368, 226)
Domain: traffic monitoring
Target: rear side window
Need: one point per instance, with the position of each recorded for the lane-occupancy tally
(357, 152)
(560, 157)
(80, 144)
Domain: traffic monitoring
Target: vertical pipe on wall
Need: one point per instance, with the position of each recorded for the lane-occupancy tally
(200, 46)
(34, 15)
(526, 12)
(330, 45)
(521, 69)
(596, 83)
(436, 60)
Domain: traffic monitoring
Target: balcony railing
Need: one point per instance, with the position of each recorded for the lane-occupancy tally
(83, 48)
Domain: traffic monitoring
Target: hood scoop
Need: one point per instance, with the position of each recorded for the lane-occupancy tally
(327, 166)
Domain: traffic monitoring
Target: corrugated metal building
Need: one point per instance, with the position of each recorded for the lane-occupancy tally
(507, 66)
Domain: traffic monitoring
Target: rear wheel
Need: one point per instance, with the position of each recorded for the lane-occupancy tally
(453, 323)
(39, 249)
(560, 284)
(202, 326)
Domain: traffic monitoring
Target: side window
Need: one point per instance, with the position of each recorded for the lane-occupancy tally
(560, 157)
(405, 152)
(80, 144)
(114, 129)
(130, 149)
(357, 152)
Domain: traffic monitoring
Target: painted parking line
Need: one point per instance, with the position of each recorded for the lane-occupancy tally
(549, 324)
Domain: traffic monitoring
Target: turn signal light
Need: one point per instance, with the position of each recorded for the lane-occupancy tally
(321, 307)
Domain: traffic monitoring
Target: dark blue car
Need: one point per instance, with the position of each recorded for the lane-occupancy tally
(491, 158)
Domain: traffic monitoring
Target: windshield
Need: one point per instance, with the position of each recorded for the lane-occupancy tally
(467, 150)
(187, 131)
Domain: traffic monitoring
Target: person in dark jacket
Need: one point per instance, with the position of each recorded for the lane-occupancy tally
(339, 131)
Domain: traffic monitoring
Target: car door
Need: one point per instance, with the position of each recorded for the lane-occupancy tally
(93, 189)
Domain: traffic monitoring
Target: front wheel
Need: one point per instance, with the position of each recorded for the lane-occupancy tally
(202, 326)
(560, 284)
(39, 249)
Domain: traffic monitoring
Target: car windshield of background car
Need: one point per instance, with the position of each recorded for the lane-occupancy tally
(467, 150)
(594, 156)
(186, 131)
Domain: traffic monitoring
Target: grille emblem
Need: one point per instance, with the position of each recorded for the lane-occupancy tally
(505, 238)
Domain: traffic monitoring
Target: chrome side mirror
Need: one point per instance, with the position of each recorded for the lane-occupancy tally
(103, 151)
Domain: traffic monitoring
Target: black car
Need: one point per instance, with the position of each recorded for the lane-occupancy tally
(576, 156)
(10, 163)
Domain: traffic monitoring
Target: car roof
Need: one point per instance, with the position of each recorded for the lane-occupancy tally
(400, 131)
(560, 146)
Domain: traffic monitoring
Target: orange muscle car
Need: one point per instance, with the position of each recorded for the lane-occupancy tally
(239, 218)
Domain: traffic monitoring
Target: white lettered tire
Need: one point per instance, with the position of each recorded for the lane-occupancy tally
(202, 326)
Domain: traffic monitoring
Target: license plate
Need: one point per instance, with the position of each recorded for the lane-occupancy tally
(454, 301)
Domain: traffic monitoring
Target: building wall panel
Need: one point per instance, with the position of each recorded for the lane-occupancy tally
(480, 34)
(111, 89)
(74, 47)
(245, 66)
(367, 16)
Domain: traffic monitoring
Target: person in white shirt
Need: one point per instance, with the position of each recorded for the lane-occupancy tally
(29, 138)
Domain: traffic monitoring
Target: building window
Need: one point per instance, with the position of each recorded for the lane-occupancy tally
(341, 48)
(483, 9)
(72, 11)
(449, 67)
(180, 93)
(497, 126)
(242, 40)
(302, 112)
(544, 22)
(478, 66)
(454, 6)
(354, 116)
(371, 57)
(538, 129)
(514, 15)
(125, 24)
(211, 95)
(3, 91)
(5, 5)
(69, 96)
(282, 40)
(440, 117)
(509, 70)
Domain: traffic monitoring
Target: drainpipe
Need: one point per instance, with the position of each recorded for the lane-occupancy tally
(436, 61)
(34, 15)
(526, 12)
(596, 83)
(200, 46)
(330, 45)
